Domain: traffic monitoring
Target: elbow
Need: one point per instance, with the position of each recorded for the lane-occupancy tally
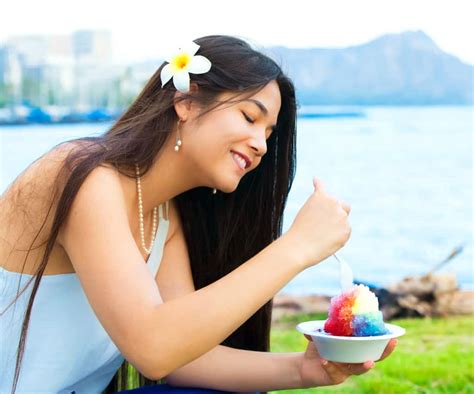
(153, 368)
(157, 359)
(175, 377)
(156, 369)
(152, 373)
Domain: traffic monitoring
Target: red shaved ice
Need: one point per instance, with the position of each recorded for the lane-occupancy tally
(355, 313)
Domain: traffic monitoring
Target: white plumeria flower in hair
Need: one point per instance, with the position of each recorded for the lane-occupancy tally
(181, 64)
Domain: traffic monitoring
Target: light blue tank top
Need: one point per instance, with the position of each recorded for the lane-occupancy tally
(67, 349)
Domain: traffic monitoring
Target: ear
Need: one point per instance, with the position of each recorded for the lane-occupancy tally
(184, 104)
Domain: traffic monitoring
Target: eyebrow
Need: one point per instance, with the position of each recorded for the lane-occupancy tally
(261, 107)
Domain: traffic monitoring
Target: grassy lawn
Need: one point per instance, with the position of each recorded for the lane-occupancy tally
(434, 356)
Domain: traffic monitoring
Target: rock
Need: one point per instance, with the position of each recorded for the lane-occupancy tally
(427, 295)
(426, 284)
(454, 303)
(287, 304)
(414, 296)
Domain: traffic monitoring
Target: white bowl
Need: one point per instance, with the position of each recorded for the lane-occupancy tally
(348, 349)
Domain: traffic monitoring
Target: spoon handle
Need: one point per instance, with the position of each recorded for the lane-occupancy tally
(346, 275)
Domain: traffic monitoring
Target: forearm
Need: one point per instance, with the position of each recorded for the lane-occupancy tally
(223, 307)
(228, 369)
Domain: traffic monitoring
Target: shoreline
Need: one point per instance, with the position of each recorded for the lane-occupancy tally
(287, 304)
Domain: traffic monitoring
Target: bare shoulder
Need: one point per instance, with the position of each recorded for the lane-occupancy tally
(26, 201)
(100, 190)
(108, 262)
(39, 172)
(27, 204)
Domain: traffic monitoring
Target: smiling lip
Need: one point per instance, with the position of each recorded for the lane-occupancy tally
(246, 158)
(237, 164)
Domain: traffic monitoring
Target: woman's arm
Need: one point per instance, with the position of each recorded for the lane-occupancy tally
(236, 370)
(123, 294)
(228, 369)
(223, 367)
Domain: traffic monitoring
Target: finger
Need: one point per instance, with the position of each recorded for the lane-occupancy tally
(346, 207)
(308, 337)
(318, 185)
(336, 375)
(356, 369)
(388, 349)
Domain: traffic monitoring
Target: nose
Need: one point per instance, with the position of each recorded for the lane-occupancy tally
(259, 144)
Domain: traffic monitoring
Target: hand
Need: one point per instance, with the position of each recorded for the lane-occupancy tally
(315, 371)
(320, 227)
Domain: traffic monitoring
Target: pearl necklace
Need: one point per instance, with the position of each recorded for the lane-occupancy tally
(140, 210)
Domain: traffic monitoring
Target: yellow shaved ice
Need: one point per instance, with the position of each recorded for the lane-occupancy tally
(365, 300)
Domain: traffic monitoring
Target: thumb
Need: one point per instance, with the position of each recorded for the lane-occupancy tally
(318, 185)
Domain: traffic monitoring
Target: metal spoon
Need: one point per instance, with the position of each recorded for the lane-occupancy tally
(346, 275)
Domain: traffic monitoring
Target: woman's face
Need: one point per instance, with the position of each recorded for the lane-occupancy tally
(230, 141)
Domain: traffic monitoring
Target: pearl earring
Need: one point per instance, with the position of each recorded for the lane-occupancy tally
(178, 140)
(214, 191)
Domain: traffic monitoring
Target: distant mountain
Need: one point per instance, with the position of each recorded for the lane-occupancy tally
(394, 69)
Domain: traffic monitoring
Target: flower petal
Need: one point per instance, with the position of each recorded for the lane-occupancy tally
(170, 52)
(181, 81)
(169, 56)
(199, 65)
(190, 48)
(166, 74)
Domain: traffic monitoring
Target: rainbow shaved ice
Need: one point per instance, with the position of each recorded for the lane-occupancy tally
(355, 313)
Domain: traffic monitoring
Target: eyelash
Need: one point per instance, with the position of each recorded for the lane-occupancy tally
(248, 118)
(252, 121)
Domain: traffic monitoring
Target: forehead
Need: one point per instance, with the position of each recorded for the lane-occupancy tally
(269, 96)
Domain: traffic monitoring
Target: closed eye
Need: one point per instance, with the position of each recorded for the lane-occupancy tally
(250, 120)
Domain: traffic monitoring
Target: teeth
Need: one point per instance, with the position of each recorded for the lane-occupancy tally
(241, 161)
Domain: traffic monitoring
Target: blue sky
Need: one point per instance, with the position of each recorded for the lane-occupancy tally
(148, 29)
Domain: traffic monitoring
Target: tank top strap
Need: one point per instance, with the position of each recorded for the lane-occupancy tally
(163, 213)
(160, 211)
(156, 254)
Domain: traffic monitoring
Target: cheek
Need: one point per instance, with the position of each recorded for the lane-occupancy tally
(215, 138)
(229, 126)
(207, 150)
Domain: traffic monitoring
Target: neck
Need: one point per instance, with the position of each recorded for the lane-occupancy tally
(170, 175)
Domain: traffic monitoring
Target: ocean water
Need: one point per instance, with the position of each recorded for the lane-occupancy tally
(407, 173)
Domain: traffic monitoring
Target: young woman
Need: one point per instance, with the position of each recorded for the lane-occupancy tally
(160, 242)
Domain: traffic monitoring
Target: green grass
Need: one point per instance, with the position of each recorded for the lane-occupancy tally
(434, 356)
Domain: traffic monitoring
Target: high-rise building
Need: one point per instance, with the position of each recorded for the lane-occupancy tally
(92, 47)
(10, 75)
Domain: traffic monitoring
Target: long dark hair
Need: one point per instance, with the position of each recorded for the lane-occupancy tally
(223, 230)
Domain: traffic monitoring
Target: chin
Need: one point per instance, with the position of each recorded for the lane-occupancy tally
(230, 189)
(227, 183)
(227, 187)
